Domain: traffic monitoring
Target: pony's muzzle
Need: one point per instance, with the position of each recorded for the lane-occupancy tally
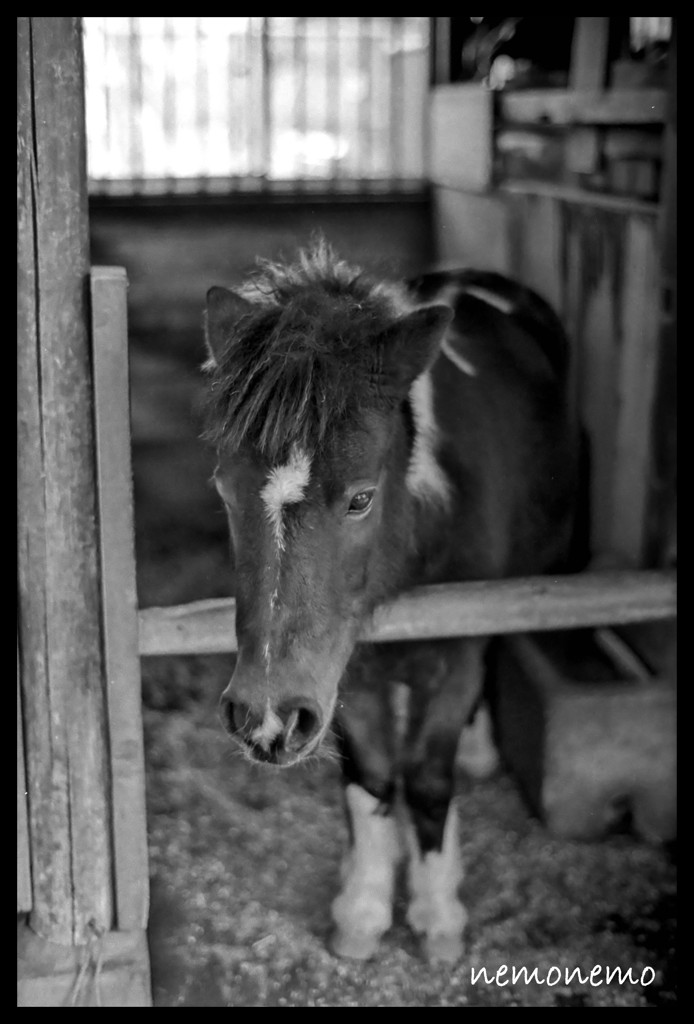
(274, 735)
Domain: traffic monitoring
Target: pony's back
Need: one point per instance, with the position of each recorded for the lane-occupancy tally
(526, 307)
(506, 434)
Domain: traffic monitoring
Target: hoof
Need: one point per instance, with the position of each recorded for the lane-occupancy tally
(354, 945)
(444, 949)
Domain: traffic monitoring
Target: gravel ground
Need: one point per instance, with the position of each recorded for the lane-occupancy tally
(245, 862)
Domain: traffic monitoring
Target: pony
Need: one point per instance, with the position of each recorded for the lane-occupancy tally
(372, 436)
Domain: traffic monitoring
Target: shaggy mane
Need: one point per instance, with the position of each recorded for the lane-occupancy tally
(305, 358)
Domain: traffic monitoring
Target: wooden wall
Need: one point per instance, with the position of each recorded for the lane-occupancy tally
(598, 264)
(573, 191)
(174, 251)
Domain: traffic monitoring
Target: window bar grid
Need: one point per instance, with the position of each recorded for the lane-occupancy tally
(169, 104)
(108, 112)
(266, 106)
(310, 103)
(299, 110)
(202, 100)
(364, 133)
(395, 81)
(235, 73)
(136, 106)
(333, 92)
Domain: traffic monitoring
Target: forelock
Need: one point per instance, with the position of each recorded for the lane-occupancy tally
(304, 359)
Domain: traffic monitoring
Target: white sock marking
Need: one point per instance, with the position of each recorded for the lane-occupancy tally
(285, 485)
(477, 753)
(425, 477)
(434, 879)
(364, 907)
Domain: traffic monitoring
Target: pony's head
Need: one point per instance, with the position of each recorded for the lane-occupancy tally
(311, 369)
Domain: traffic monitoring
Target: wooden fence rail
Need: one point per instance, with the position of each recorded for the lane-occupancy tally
(451, 609)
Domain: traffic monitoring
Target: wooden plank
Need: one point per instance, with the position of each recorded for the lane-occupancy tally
(470, 229)
(582, 106)
(608, 288)
(636, 382)
(579, 196)
(595, 246)
(441, 64)
(460, 136)
(24, 899)
(589, 54)
(46, 780)
(452, 609)
(66, 754)
(661, 542)
(119, 596)
(534, 240)
(583, 150)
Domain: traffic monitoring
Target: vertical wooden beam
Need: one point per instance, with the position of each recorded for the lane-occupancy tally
(119, 596)
(635, 379)
(24, 898)
(441, 51)
(60, 635)
(589, 54)
(661, 540)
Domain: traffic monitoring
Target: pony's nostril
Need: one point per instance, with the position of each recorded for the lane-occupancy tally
(302, 723)
(226, 713)
(234, 715)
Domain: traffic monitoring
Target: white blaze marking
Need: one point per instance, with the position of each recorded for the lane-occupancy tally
(363, 910)
(434, 879)
(425, 478)
(285, 485)
(270, 727)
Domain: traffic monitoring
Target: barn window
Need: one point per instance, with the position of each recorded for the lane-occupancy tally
(225, 105)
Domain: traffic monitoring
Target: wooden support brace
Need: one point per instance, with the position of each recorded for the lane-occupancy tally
(119, 596)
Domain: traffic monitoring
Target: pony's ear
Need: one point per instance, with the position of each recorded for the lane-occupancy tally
(411, 344)
(224, 309)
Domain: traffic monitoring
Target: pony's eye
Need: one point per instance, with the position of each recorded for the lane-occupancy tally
(361, 502)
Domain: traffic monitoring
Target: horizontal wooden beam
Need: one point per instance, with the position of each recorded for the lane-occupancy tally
(450, 609)
(582, 106)
(580, 197)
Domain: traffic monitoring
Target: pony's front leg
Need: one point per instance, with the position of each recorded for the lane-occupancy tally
(440, 707)
(363, 910)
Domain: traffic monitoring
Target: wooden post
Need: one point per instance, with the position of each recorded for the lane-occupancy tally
(661, 539)
(66, 746)
(111, 395)
(23, 855)
(589, 54)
